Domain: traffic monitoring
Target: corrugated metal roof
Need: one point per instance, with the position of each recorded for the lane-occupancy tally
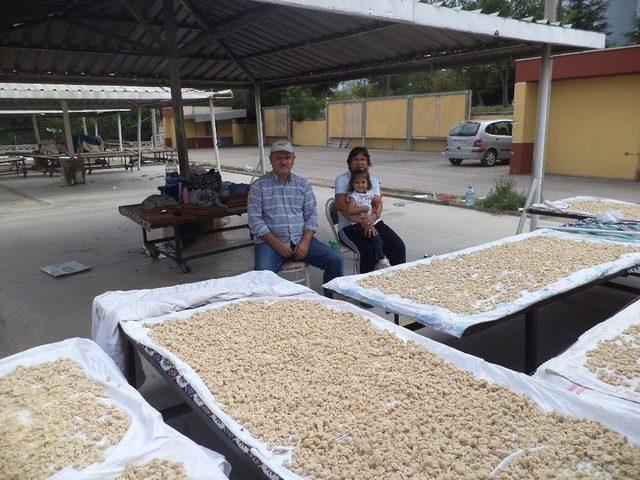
(43, 96)
(271, 42)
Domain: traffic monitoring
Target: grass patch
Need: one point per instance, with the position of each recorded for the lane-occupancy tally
(503, 197)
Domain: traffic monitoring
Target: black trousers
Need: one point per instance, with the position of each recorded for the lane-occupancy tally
(393, 246)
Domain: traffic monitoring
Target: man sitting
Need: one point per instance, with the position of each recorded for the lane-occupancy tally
(283, 218)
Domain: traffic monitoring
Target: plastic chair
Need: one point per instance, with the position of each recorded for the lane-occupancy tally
(298, 270)
(331, 212)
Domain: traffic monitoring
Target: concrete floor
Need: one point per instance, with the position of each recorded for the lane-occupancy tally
(42, 223)
(427, 172)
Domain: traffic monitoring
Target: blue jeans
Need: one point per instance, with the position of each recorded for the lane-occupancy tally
(320, 255)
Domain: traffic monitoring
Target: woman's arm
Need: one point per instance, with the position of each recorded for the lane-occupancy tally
(376, 206)
(353, 212)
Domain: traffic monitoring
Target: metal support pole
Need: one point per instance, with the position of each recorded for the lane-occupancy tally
(259, 128)
(95, 126)
(154, 128)
(36, 133)
(120, 133)
(67, 128)
(531, 342)
(542, 115)
(139, 137)
(326, 122)
(363, 122)
(84, 126)
(214, 133)
(409, 121)
(176, 86)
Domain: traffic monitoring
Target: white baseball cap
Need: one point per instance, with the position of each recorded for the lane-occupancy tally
(282, 146)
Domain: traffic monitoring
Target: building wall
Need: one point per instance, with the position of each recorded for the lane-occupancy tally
(196, 132)
(309, 133)
(594, 122)
(386, 120)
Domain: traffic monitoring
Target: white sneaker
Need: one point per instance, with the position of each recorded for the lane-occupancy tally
(384, 263)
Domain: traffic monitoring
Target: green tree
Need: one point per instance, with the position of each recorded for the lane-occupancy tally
(586, 14)
(634, 35)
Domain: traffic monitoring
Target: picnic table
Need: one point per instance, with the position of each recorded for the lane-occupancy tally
(104, 160)
(178, 217)
(49, 163)
(16, 164)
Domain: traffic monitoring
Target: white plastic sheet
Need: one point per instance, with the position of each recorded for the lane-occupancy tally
(148, 437)
(562, 205)
(111, 308)
(570, 365)
(548, 397)
(454, 323)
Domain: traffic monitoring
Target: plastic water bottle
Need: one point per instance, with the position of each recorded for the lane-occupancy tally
(171, 179)
(224, 189)
(470, 196)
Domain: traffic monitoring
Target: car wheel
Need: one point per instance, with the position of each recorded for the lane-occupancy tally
(455, 161)
(490, 158)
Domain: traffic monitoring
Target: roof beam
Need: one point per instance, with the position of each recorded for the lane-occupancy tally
(71, 50)
(319, 41)
(407, 64)
(139, 16)
(214, 32)
(61, 77)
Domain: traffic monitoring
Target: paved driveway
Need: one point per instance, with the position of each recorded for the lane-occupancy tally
(426, 172)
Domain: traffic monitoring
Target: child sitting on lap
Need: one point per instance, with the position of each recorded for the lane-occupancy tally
(360, 202)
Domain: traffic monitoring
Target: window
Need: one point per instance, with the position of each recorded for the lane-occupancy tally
(465, 129)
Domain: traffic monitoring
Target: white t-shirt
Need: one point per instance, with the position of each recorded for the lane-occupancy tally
(342, 186)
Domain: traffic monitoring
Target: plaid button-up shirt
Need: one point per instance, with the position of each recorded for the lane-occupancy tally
(286, 210)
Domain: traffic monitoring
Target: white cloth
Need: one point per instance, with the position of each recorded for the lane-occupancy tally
(570, 365)
(111, 308)
(546, 396)
(342, 186)
(453, 323)
(148, 437)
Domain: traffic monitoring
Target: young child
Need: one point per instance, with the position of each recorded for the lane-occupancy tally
(360, 202)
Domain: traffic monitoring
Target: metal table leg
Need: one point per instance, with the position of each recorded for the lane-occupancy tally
(130, 363)
(531, 342)
(184, 268)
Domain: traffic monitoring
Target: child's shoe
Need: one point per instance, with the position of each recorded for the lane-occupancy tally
(384, 263)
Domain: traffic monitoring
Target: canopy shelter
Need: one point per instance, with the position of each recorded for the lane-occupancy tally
(36, 98)
(268, 43)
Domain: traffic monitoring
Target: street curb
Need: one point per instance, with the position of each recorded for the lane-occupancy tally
(404, 194)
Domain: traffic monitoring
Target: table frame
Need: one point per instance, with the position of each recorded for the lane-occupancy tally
(17, 163)
(155, 247)
(531, 317)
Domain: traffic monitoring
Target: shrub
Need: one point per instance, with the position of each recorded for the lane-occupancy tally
(502, 197)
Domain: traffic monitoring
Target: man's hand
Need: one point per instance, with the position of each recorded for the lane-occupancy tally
(283, 249)
(302, 248)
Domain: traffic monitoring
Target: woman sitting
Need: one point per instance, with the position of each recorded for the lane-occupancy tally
(369, 225)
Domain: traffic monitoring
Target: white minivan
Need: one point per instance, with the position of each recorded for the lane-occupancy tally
(487, 141)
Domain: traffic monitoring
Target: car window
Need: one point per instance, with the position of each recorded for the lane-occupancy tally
(502, 129)
(465, 129)
(491, 129)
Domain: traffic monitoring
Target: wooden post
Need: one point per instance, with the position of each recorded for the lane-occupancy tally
(214, 133)
(154, 128)
(120, 133)
(36, 133)
(139, 137)
(67, 128)
(84, 125)
(259, 127)
(95, 126)
(176, 86)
